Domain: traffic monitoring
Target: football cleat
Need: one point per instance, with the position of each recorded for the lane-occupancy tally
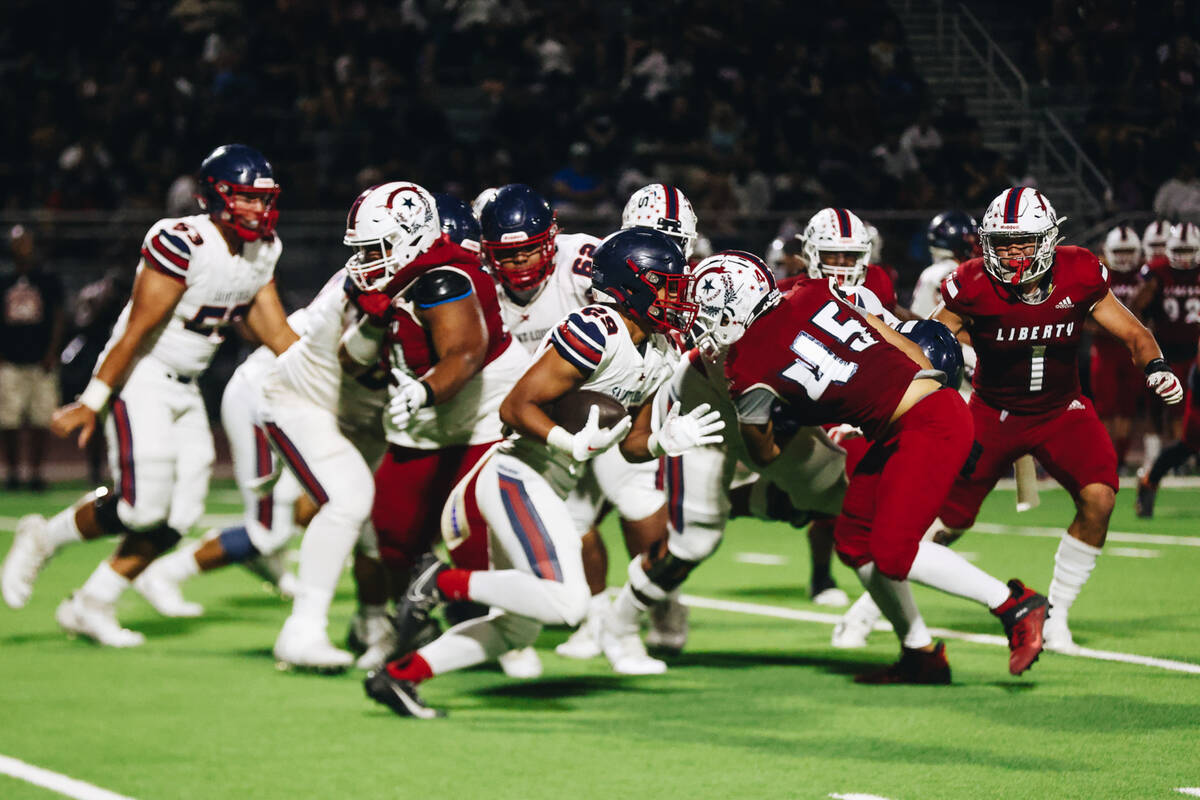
(377, 637)
(825, 592)
(420, 598)
(25, 560)
(914, 666)
(584, 643)
(305, 645)
(164, 595)
(1143, 504)
(400, 696)
(856, 624)
(625, 651)
(1057, 635)
(1024, 616)
(523, 664)
(668, 626)
(83, 616)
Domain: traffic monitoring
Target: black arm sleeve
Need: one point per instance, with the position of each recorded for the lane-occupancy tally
(440, 286)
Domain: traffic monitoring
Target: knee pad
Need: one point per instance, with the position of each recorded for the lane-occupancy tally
(106, 512)
(162, 538)
(697, 541)
(667, 572)
(237, 545)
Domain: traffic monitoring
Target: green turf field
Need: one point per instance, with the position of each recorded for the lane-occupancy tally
(757, 707)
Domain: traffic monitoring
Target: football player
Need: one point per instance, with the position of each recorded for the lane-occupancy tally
(198, 275)
(513, 501)
(1112, 372)
(1023, 306)
(1154, 240)
(1170, 298)
(953, 237)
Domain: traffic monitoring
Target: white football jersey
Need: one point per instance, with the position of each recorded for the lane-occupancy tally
(220, 288)
(310, 367)
(565, 289)
(927, 294)
(596, 340)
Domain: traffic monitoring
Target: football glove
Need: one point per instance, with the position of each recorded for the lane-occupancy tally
(678, 434)
(1163, 382)
(592, 440)
(409, 395)
(373, 304)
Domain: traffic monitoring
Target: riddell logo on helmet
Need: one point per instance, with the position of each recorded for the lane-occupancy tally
(516, 236)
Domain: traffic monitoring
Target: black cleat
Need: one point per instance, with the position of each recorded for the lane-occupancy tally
(400, 696)
(1143, 504)
(914, 666)
(1024, 615)
(420, 598)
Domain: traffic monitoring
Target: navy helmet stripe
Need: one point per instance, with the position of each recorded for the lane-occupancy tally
(672, 202)
(1013, 204)
(843, 217)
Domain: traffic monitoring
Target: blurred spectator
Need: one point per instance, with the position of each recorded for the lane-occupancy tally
(922, 138)
(894, 158)
(31, 332)
(1059, 43)
(1178, 199)
(576, 187)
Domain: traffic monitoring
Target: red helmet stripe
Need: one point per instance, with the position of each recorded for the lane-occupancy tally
(352, 217)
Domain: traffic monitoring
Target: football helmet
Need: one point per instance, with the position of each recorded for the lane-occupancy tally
(644, 272)
(457, 221)
(1123, 249)
(875, 239)
(731, 290)
(482, 199)
(1154, 239)
(940, 347)
(836, 230)
(235, 169)
(1020, 216)
(517, 219)
(663, 208)
(1183, 245)
(953, 235)
(388, 226)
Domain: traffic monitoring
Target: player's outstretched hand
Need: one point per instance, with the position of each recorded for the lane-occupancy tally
(1163, 382)
(73, 416)
(699, 427)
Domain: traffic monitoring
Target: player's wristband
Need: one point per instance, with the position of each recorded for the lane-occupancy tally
(96, 395)
(559, 439)
(1157, 365)
(428, 394)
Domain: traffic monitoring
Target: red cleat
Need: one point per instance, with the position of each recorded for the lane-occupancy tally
(914, 666)
(1023, 615)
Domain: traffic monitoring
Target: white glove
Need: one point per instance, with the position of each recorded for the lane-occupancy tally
(1163, 382)
(677, 434)
(592, 440)
(843, 432)
(409, 395)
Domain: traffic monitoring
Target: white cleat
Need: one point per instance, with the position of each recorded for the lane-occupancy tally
(379, 636)
(584, 643)
(856, 624)
(668, 625)
(25, 560)
(81, 615)
(523, 664)
(833, 597)
(305, 645)
(164, 595)
(626, 653)
(1057, 636)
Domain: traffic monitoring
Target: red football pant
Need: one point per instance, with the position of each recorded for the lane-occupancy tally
(411, 487)
(896, 490)
(1070, 443)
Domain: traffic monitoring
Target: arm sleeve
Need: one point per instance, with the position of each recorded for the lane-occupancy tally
(754, 407)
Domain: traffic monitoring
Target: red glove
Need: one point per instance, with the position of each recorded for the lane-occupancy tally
(373, 304)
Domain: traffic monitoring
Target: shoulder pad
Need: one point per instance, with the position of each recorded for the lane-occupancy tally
(440, 286)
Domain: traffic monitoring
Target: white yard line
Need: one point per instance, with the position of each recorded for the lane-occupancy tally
(1056, 533)
(1189, 790)
(60, 784)
(768, 559)
(799, 615)
(1131, 552)
(857, 796)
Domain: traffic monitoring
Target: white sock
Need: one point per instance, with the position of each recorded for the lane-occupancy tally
(105, 585)
(896, 601)
(61, 529)
(478, 640)
(640, 581)
(1073, 564)
(941, 568)
(177, 567)
(323, 552)
(625, 612)
(598, 606)
(312, 603)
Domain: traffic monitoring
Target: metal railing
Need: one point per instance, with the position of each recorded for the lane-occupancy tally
(991, 56)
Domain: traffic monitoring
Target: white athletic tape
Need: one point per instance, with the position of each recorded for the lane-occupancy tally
(55, 782)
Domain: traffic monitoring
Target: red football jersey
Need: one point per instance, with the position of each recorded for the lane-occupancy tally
(1175, 309)
(877, 280)
(405, 330)
(1028, 354)
(817, 352)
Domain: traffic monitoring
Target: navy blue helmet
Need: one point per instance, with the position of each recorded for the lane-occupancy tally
(512, 224)
(644, 271)
(956, 232)
(457, 221)
(940, 347)
(235, 169)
